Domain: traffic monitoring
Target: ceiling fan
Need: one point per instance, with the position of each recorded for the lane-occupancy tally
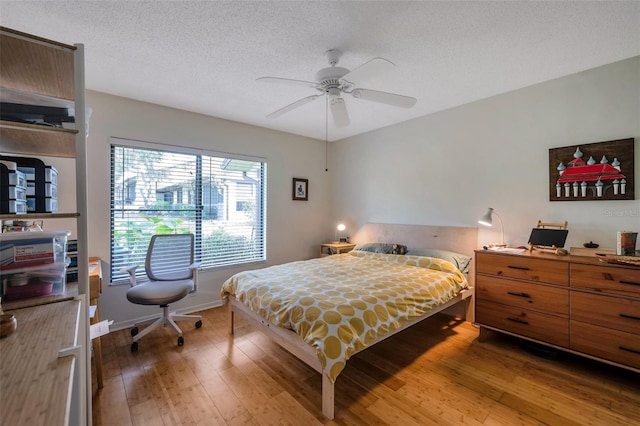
(333, 81)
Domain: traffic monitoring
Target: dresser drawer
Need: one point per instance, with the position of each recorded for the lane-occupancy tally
(537, 297)
(527, 323)
(523, 267)
(606, 279)
(611, 312)
(613, 345)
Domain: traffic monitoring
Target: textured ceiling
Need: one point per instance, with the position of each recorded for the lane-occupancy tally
(205, 56)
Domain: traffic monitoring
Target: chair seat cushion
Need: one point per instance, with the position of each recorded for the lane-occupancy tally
(159, 292)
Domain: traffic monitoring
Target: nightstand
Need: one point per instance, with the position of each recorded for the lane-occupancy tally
(328, 249)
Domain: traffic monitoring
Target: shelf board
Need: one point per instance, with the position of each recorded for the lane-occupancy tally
(15, 125)
(30, 216)
(36, 39)
(37, 382)
(33, 139)
(50, 71)
(70, 291)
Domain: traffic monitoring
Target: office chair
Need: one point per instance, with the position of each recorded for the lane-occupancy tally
(172, 276)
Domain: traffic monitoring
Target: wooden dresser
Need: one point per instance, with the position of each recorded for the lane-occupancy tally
(574, 303)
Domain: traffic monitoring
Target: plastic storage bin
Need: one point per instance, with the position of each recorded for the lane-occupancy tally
(33, 264)
(16, 193)
(50, 190)
(14, 206)
(38, 281)
(12, 177)
(13, 183)
(37, 175)
(28, 249)
(47, 205)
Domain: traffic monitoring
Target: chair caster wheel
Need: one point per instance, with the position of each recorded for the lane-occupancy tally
(180, 341)
(134, 347)
(134, 331)
(198, 323)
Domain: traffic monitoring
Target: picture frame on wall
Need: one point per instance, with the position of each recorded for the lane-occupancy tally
(592, 171)
(300, 189)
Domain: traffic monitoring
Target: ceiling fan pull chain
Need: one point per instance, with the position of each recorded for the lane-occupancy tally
(326, 133)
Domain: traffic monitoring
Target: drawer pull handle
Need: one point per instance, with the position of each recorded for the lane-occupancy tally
(518, 320)
(622, 348)
(629, 316)
(522, 268)
(629, 282)
(519, 294)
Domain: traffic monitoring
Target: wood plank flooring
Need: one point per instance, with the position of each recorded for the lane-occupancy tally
(433, 373)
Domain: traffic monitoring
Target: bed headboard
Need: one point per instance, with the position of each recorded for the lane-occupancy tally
(453, 238)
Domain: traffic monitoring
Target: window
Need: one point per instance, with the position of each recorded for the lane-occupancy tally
(156, 190)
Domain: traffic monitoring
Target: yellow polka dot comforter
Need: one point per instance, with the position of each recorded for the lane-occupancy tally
(339, 304)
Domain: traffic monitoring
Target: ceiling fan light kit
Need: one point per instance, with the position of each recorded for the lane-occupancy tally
(339, 112)
(333, 81)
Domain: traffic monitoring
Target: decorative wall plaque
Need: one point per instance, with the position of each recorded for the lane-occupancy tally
(593, 171)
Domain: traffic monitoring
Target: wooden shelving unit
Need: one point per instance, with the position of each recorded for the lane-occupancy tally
(41, 72)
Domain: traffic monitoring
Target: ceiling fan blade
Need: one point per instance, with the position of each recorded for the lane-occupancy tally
(339, 112)
(288, 81)
(293, 106)
(384, 97)
(367, 70)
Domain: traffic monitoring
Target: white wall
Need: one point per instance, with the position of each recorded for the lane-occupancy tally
(448, 167)
(295, 229)
(442, 169)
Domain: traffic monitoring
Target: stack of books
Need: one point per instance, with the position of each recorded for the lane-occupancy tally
(626, 243)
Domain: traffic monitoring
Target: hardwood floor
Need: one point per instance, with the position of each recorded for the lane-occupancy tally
(433, 373)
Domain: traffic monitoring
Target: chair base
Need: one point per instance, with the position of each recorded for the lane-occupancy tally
(167, 318)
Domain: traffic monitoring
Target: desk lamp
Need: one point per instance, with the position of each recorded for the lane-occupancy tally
(486, 220)
(339, 237)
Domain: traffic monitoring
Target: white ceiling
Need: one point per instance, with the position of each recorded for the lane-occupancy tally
(205, 56)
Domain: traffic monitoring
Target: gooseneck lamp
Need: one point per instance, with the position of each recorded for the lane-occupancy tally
(487, 220)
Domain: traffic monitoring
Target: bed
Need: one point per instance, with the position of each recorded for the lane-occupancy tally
(326, 310)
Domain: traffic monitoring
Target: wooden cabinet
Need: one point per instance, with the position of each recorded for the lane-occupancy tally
(574, 303)
(606, 279)
(605, 311)
(327, 249)
(40, 72)
(528, 268)
(523, 322)
(95, 290)
(523, 295)
(619, 347)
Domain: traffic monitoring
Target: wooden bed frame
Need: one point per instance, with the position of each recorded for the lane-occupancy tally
(461, 240)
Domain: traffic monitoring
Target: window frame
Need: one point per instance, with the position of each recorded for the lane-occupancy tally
(258, 256)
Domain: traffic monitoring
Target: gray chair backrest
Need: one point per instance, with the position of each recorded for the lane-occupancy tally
(169, 257)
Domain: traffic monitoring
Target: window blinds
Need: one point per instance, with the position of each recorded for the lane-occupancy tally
(161, 189)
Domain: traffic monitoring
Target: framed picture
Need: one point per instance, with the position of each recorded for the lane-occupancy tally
(592, 171)
(300, 189)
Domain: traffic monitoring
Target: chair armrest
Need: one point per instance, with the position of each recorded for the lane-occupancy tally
(131, 270)
(194, 270)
